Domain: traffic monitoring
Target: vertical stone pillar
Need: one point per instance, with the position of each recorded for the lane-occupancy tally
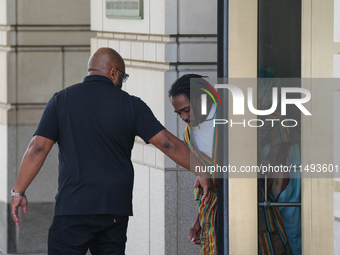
(319, 48)
(44, 47)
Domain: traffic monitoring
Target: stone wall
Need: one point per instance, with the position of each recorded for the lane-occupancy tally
(44, 47)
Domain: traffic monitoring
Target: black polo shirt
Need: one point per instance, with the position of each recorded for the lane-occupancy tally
(95, 124)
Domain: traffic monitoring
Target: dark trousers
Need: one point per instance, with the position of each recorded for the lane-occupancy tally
(75, 234)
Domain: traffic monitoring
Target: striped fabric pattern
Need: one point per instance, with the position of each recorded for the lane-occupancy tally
(272, 234)
(207, 213)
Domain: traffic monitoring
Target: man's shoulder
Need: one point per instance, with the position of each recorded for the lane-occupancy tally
(61, 92)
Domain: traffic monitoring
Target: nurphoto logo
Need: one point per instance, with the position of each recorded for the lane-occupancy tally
(239, 102)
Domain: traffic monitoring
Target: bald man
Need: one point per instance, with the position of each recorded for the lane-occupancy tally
(94, 124)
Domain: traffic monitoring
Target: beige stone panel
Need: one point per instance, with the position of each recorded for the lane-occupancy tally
(146, 83)
(160, 52)
(140, 26)
(3, 12)
(108, 35)
(243, 205)
(139, 225)
(306, 181)
(337, 188)
(142, 37)
(3, 75)
(102, 42)
(7, 36)
(317, 193)
(114, 44)
(29, 116)
(188, 52)
(129, 37)
(169, 115)
(322, 114)
(94, 44)
(336, 203)
(195, 17)
(243, 63)
(3, 38)
(50, 12)
(336, 65)
(156, 38)
(243, 39)
(54, 38)
(12, 116)
(97, 15)
(3, 162)
(322, 216)
(157, 216)
(322, 153)
(137, 50)
(11, 77)
(7, 12)
(137, 152)
(171, 17)
(150, 51)
(157, 16)
(39, 76)
(149, 155)
(322, 38)
(125, 49)
(336, 21)
(170, 54)
(160, 158)
(117, 36)
(4, 114)
(7, 74)
(75, 66)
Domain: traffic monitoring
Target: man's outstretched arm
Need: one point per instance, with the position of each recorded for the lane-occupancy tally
(32, 161)
(179, 152)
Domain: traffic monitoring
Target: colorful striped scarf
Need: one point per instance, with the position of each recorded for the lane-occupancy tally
(272, 235)
(207, 213)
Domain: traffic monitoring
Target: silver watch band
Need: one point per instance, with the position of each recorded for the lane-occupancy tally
(16, 194)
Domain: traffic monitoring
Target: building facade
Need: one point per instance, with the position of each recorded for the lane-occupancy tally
(44, 48)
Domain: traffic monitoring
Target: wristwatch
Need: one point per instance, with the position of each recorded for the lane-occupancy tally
(16, 194)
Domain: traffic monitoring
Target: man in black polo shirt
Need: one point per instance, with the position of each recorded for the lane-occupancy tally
(94, 124)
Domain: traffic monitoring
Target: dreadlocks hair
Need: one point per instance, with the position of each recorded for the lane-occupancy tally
(183, 86)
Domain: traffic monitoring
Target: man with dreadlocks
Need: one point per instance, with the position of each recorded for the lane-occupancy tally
(200, 136)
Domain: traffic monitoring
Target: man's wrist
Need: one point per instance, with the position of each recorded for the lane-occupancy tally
(17, 194)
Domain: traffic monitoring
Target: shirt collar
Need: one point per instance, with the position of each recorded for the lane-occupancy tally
(98, 78)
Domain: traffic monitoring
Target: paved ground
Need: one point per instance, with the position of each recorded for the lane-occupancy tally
(336, 240)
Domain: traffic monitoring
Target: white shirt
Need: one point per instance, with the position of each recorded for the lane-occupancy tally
(204, 133)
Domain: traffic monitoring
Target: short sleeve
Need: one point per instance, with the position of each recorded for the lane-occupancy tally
(48, 126)
(147, 125)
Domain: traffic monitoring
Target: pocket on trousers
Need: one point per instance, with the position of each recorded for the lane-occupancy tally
(76, 229)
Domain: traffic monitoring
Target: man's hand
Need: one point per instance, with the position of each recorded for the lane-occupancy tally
(20, 201)
(32, 161)
(195, 233)
(207, 186)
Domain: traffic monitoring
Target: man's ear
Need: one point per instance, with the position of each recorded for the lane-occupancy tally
(112, 74)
